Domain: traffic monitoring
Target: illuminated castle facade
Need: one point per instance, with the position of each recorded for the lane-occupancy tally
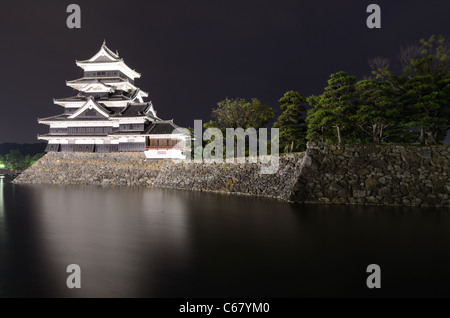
(109, 114)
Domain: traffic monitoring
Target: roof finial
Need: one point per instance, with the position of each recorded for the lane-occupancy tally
(104, 43)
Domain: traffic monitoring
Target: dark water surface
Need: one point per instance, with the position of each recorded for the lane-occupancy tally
(134, 242)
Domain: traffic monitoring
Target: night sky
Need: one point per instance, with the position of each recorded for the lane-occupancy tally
(192, 54)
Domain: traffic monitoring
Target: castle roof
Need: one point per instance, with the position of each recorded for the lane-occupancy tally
(104, 55)
(105, 59)
(163, 127)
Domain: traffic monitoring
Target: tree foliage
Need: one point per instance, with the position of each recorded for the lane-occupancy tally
(15, 160)
(427, 99)
(408, 106)
(413, 106)
(423, 88)
(332, 109)
(238, 112)
(291, 123)
(376, 114)
(317, 127)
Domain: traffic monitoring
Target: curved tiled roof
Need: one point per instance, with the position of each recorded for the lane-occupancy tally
(163, 127)
(103, 59)
(133, 110)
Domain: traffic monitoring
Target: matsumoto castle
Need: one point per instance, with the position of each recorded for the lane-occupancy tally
(109, 114)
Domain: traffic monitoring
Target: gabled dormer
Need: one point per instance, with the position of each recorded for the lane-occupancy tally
(90, 110)
(150, 111)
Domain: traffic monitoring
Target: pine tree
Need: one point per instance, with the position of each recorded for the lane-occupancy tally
(427, 89)
(377, 115)
(291, 124)
(423, 89)
(335, 106)
(427, 96)
(316, 119)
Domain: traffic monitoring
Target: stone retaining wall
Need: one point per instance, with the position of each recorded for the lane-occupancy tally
(375, 174)
(372, 174)
(132, 169)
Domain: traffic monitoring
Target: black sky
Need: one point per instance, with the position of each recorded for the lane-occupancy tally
(191, 54)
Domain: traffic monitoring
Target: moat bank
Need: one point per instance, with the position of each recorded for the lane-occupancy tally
(370, 174)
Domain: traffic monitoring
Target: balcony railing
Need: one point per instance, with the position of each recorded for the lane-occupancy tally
(165, 147)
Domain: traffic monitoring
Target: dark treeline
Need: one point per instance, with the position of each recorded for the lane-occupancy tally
(409, 106)
(25, 149)
(19, 156)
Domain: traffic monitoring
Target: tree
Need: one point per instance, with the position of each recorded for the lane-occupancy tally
(430, 57)
(427, 87)
(317, 126)
(31, 160)
(14, 160)
(333, 108)
(291, 124)
(238, 112)
(423, 87)
(428, 96)
(376, 112)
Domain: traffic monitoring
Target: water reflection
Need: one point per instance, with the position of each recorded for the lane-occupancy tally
(2, 227)
(134, 242)
(121, 233)
(3, 255)
(2, 208)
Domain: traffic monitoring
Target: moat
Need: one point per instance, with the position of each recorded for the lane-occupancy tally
(149, 242)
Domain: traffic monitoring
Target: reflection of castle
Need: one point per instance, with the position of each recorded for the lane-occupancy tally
(109, 114)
